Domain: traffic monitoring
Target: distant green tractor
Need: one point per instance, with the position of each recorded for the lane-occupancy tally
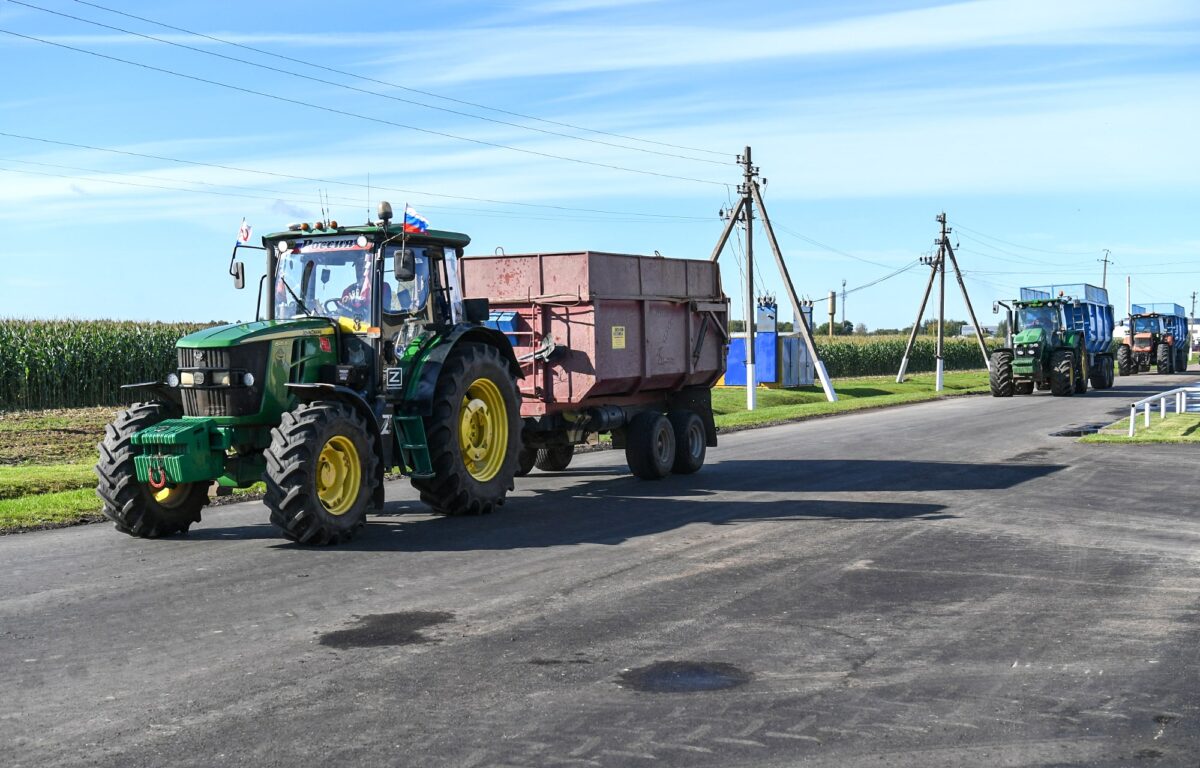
(368, 359)
(1055, 345)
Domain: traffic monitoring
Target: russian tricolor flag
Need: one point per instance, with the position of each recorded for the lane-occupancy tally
(414, 223)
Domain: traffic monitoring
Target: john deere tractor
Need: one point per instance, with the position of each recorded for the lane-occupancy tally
(367, 359)
(1055, 343)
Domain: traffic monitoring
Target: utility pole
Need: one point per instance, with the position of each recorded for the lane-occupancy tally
(1191, 328)
(937, 266)
(1106, 261)
(843, 301)
(832, 311)
(751, 195)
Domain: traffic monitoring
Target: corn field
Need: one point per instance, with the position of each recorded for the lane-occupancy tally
(880, 355)
(77, 363)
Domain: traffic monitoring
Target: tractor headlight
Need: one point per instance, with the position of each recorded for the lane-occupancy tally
(221, 378)
(198, 378)
(172, 380)
(248, 379)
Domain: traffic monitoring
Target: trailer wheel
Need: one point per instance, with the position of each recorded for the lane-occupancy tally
(1062, 373)
(1125, 364)
(555, 459)
(1023, 388)
(1001, 376)
(650, 446)
(1164, 358)
(474, 433)
(691, 442)
(136, 508)
(526, 460)
(1102, 374)
(322, 473)
(1181, 361)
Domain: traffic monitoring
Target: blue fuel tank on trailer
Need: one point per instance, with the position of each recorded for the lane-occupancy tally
(1085, 308)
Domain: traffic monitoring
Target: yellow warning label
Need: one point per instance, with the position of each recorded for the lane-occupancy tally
(618, 337)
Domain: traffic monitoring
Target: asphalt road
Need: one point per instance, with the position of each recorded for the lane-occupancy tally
(937, 585)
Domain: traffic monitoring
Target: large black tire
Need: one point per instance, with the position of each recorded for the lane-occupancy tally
(691, 441)
(1062, 373)
(456, 488)
(554, 459)
(1082, 369)
(1023, 388)
(1102, 375)
(1125, 364)
(526, 460)
(136, 508)
(650, 446)
(1001, 376)
(1181, 360)
(1165, 359)
(323, 473)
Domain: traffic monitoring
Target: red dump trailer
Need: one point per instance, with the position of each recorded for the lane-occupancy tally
(610, 343)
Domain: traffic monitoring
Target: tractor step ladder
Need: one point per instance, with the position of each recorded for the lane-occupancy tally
(414, 447)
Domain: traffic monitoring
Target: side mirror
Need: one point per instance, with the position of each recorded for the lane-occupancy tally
(995, 307)
(404, 265)
(239, 275)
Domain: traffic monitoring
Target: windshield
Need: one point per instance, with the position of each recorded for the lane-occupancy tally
(1145, 325)
(1045, 318)
(321, 279)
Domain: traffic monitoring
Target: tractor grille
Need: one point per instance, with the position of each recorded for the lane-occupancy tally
(235, 399)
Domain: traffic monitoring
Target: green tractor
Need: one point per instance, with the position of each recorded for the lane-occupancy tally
(368, 359)
(1060, 342)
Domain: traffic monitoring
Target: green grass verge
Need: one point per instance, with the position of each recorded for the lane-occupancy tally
(782, 405)
(50, 510)
(28, 480)
(1176, 428)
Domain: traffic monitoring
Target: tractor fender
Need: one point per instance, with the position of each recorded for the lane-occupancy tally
(307, 393)
(161, 389)
(420, 392)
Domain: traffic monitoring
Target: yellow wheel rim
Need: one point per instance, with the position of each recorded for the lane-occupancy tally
(169, 497)
(339, 475)
(483, 430)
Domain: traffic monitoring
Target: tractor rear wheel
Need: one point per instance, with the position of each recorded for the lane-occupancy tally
(1001, 376)
(323, 473)
(555, 458)
(135, 507)
(1125, 364)
(1062, 373)
(650, 446)
(1081, 373)
(1023, 388)
(474, 433)
(691, 442)
(1164, 359)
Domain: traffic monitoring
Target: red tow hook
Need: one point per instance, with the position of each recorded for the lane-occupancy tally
(162, 478)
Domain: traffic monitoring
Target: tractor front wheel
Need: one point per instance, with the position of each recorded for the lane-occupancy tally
(474, 433)
(137, 508)
(1062, 373)
(323, 474)
(1001, 376)
(1125, 364)
(1164, 359)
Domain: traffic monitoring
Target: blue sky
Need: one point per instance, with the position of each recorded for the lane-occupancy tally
(1047, 131)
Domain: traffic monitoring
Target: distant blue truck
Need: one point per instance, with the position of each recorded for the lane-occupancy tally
(1156, 336)
(1062, 335)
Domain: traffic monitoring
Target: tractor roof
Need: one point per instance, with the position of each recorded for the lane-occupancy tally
(432, 236)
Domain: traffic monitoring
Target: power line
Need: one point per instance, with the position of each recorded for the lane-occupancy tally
(829, 248)
(1024, 247)
(876, 281)
(397, 86)
(347, 113)
(318, 180)
(361, 90)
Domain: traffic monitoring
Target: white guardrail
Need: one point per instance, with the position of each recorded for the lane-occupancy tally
(1183, 404)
